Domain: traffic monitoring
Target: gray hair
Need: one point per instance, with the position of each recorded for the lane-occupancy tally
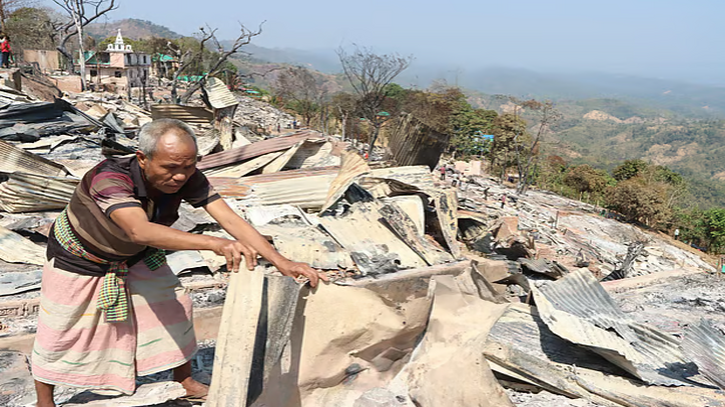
(148, 137)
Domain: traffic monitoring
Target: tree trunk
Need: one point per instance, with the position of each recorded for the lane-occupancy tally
(193, 88)
(81, 50)
(174, 85)
(344, 126)
(68, 57)
(373, 139)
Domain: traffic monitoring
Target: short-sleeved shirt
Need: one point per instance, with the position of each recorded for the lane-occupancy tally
(114, 184)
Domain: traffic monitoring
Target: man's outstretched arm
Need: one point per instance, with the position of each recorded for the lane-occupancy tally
(134, 222)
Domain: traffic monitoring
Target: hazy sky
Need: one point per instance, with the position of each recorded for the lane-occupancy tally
(654, 38)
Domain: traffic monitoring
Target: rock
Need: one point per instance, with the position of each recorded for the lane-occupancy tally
(256, 114)
(377, 397)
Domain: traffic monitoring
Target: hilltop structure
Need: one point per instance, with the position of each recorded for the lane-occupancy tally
(119, 66)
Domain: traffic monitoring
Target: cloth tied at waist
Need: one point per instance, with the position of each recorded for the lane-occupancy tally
(113, 296)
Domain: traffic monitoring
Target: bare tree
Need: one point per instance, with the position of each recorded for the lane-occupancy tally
(527, 152)
(244, 38)
(187, 59)
(370, 74)
(80, 13)
(300, 87)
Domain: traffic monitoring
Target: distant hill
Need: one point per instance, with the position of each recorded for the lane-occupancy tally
(607, 118)
(325, 62)
(688, 99)
(684, 98)
(130, 28)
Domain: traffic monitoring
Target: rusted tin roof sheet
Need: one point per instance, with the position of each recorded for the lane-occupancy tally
(219, 95)
(240, 188)
(256, 149)
(14, 159)
(705, 346)
(578, 309)
(247, 167)
(187, 114)
(307, 188)
(414, 143)
(32, 193)
(307, 193)
(312, 155)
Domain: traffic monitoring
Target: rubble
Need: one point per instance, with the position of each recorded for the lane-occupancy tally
(441, 295)
(259, 117)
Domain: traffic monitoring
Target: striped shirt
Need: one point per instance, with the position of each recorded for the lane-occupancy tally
(114, 184)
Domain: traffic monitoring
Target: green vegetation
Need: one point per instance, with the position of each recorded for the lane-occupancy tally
(643, 193)
(30, 28)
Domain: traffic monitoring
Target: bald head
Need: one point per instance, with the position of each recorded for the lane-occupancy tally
(165, 133)
(167, 154)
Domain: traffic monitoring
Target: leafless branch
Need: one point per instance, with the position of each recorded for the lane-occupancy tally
(245, 37)
(78, 19)
(369, 75)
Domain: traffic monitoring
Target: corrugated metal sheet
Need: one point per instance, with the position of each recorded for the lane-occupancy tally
(78, 168)
(418, 176)
(19, 282)
(256, 149)
(447, 212)
(46, 144)
(312, 155)
(32, 193)
(17, 249)
(407, 230)
(307, 193)
(240, 170)
(705, 345)
(520, 342)
(219, 95)
(414, 143)
(306, 188)
(240, 188)
(259, 216)
(281, 162)
(353, 165)
(374, 248)
(14, 159)
(521, 346)
(187, 114)
(307, 244)
(578, 309)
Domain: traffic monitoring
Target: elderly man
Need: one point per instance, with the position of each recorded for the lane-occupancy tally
(111, 308)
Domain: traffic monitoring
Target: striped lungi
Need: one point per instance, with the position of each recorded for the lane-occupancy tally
(74, 346)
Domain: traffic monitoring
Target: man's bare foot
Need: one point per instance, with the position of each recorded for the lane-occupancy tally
(195, 389)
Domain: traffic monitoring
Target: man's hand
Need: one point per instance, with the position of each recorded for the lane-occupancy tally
(295, 269)
(233, 250)
(243, 231)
